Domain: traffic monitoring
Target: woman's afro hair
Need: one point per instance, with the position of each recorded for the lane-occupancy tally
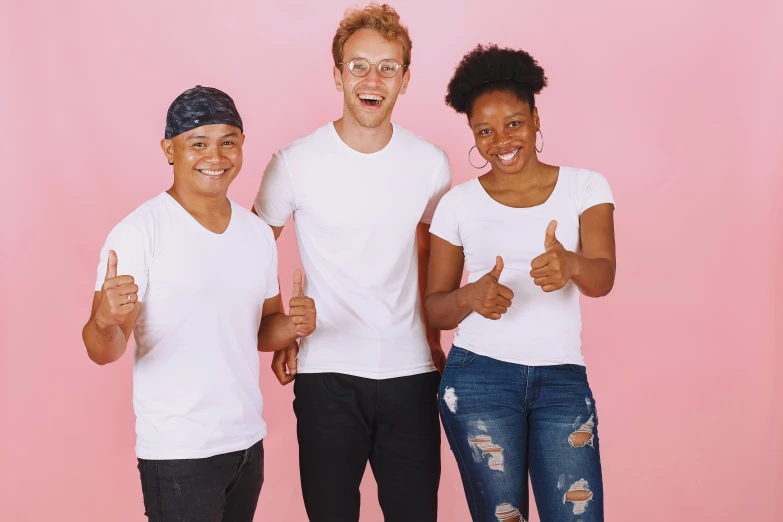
(490, 68)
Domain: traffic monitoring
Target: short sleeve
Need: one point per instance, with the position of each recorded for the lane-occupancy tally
(272, 282)
(445, 222)
(441, 186)
(594, 191)
(275, 202)
(132, 257)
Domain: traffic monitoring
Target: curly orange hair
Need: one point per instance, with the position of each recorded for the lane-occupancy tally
(381, 18)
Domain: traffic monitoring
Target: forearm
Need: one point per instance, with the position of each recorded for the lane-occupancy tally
(104, 344)
(445, 310)
(593, 277)
(431, 331)
(275, 333)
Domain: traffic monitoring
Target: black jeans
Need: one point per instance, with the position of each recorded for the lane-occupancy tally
(223, 488)
(343, 421)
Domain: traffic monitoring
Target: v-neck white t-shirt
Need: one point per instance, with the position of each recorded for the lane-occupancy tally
(539, 328)
(196, 368)
(355, 217)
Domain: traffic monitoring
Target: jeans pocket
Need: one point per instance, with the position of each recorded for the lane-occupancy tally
(459, 358)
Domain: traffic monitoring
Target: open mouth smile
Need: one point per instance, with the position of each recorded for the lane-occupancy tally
(508, 158)
(213, 173)
(371, 101)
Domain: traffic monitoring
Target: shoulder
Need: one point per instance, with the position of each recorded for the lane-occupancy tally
(316, 139)
(582, 178)
(466, 189)
(455, 198)
(144, 218)
(420, 146)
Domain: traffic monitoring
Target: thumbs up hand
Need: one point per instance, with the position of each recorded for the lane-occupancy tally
(118, 296)
(301, 309)
(552, 269)
(487, 296)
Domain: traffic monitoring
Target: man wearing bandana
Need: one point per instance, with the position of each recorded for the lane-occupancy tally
(194, 276)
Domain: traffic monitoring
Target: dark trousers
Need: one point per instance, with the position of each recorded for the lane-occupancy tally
(343, 421)
(223, 488)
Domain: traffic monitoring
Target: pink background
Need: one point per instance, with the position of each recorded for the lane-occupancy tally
(677, 102)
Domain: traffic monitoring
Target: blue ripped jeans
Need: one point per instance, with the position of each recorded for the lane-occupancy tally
(506, 420)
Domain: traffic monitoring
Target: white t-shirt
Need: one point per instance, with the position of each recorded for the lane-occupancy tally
(539, 328)
(195, 369)
(355, 216)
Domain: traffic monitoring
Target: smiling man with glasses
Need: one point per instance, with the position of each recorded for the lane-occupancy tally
(363, 191)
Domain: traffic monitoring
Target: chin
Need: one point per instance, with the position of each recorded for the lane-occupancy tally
(370, 120)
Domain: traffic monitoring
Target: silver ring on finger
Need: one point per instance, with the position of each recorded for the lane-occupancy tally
(129, 298)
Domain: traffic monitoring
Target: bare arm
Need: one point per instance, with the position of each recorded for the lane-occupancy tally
(447, 304)
(443, 307)
(277, 330)
(596, 266)
(114, 311)
(432, 333)
(593, 270)
(283, 361)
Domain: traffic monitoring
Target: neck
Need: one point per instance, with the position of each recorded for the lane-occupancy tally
(532, 173)
(363, 139)
(199, 204)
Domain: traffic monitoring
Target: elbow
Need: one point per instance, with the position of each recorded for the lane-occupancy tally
(430, 314)
(98, 355)
(100, 360)
(267, 348)
(97, 361)
(602, 291)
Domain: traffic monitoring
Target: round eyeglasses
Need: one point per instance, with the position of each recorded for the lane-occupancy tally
(361, 66)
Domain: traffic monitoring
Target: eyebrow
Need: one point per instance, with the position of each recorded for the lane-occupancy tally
(363, 58)
(515, 115)
(229, 135)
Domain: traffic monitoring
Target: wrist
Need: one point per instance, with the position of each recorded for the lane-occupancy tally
(462, 295)
(575, 260)
(290, 330)
(100, 325)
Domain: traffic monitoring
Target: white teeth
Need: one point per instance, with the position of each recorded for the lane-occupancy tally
(370, 97)
(507, 157)
(213, 172)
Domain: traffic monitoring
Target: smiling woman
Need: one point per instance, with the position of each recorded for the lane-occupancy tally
(518, 316)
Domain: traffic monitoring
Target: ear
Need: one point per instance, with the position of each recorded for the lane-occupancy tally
(536, 119)
(338, 79)
(243, 139)
(168, 149)
(406, 77)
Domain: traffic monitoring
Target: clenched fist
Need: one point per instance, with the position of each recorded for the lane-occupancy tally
(301, 309)
(487, 296)
(552, 269)
(118, 296)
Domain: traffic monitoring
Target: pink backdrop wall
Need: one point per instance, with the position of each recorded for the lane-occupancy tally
(677, 102)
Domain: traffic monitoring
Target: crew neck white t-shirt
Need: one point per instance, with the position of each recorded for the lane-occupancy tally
(539, 328)
(355, 217)
(195, 364)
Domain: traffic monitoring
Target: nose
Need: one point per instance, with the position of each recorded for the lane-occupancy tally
(503, 137)
(373, 76)
(214, 153)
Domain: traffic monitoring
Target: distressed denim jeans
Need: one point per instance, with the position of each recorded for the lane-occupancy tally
(506, 421)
